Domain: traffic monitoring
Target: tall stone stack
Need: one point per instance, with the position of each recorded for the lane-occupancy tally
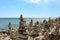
(58, 26)
(10, 31)
(49, 22)
(22, 22)
(56, 20)
(45, 25)
(31, 23)
(59, 21)
(36, 30)
(37, 27)
(9, 28)
(22, 35)
(30, 27)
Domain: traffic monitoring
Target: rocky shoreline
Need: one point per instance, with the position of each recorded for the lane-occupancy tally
(46, 30)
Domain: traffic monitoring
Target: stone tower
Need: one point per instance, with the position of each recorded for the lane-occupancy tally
(37, 27)
(31, 23)
(22, 24)
(11, 31)
(22, 35)
(36, 30)
(9, 28)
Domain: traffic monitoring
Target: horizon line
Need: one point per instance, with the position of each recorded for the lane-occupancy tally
(29, 17)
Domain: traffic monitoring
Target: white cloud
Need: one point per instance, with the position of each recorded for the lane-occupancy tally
(47, 1)
(33, 1)
(38, 1)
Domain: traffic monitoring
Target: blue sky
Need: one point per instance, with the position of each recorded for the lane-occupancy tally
(30, 8)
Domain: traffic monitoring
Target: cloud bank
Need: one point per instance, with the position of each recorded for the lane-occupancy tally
(42, 1)
(33, 1)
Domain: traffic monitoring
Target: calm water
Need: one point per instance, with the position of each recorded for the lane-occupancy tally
(15, 22)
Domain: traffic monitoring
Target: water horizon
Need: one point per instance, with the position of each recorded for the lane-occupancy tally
(15, 22)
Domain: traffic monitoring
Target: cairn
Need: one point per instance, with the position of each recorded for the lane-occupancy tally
(22, 34)
(11, 32)
(9, 28)
(31, 23)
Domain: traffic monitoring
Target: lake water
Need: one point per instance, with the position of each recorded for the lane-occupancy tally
(15, 22)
